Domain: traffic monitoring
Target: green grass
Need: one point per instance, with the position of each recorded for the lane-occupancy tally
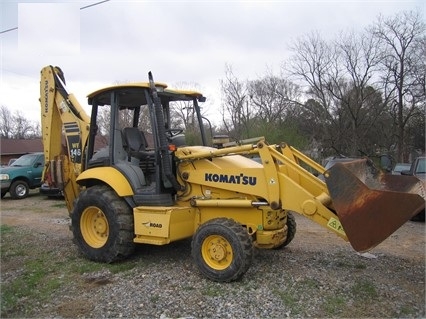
(59, 205)
(213, 290)
(5, 229)
(405, 311)
(122, 266)
(291, 296)
(36, 282)
(289, 299)
(188, 288)
(364, 290)
(360, 266)
(19, 250)
(40, 273)
(334, 305)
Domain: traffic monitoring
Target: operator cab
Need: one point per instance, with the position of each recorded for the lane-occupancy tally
(140, 137)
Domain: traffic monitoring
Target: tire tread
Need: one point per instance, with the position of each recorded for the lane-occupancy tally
(123, 245)
(229, 226)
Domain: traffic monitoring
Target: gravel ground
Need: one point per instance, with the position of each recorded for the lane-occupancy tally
(317, 275)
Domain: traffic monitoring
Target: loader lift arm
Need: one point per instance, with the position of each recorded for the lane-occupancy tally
(65, 130)
(377, 207)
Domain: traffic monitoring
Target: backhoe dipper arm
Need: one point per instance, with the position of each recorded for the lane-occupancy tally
(65, 130)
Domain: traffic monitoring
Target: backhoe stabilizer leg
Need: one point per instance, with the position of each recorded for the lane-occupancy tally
(372, 206)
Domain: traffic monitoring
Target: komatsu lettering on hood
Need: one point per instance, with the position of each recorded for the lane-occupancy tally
(231, 179)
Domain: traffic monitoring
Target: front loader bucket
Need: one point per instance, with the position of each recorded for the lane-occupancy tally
(372, 205)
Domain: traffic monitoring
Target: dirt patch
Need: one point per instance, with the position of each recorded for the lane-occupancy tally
(49, 214)
(407, 242)
(318, 275)
(38, 212)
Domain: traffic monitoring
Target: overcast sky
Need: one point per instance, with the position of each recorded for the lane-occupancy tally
(179, 41)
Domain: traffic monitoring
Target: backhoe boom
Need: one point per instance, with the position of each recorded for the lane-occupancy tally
(65, 129)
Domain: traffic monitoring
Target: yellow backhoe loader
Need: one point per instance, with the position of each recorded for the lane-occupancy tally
(128, 177)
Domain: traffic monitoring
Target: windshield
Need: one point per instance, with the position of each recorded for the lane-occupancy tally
(25, 160)
(401, 167)
(421, 167)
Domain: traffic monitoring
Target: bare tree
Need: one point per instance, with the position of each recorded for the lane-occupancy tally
(312, 66)
(182, 112)
(272, 98)
(236, 114)
(356, 91)
(402, 41)
(273, 108)
(6, 122)
(23, 127)
(338, 77)
(16, 125)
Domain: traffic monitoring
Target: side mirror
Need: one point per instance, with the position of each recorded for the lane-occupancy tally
(405, 173)
(38, 164)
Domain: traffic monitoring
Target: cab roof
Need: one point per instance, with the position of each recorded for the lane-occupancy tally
(132, 94)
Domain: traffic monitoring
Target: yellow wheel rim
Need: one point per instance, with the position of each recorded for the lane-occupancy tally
(94, 227)
(217, 252)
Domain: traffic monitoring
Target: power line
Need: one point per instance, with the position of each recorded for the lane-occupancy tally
(82, 8)
(92, 5)
(16, 28)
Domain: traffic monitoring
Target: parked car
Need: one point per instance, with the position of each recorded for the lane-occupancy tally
(24, 174)
(418, 169)
(399, 167)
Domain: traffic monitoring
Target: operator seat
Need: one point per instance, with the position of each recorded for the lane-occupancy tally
(135, 143)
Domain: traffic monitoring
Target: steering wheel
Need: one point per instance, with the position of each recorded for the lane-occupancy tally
(174, 131)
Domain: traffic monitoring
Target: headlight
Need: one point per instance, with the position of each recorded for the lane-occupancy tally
(4, 177)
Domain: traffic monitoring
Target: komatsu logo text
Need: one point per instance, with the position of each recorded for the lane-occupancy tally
(231, 179)
(46, 96)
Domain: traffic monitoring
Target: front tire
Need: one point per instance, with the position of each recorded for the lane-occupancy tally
(102, 225)
(222, 250)
(19, 190)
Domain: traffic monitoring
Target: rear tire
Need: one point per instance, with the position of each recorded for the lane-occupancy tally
(222, 250)
(19, 190)
(102, 225)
